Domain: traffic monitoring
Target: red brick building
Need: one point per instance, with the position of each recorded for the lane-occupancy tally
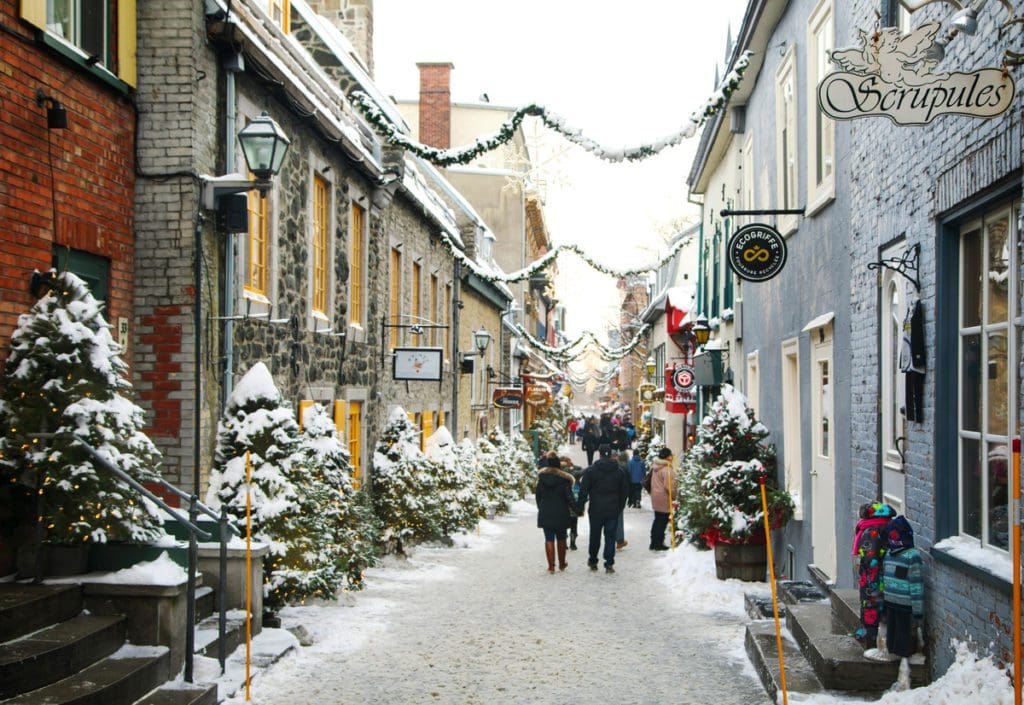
(67, 172)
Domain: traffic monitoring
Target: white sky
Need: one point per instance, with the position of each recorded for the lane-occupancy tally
(625, 73)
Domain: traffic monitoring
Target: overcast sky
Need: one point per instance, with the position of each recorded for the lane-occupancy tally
(625, 73)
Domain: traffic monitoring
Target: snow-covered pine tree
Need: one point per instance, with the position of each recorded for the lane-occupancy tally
(496, 479)
(405, 492)
(515, 453)
(337, 543)
(257, 420)
(719, 489)
(461, 505)
(65, 375)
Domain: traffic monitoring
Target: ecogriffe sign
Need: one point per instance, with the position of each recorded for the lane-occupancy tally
(890, 75)
(756, 252)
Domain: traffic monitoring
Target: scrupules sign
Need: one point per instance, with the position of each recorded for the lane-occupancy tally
(890, 75)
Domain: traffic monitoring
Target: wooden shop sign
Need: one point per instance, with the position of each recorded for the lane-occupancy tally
(507, 398)
(538, 394)
(890, 75)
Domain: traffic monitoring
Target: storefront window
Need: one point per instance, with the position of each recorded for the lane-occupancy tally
(989, 381)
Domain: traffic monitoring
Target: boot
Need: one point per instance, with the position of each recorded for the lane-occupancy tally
(572, 540)
(549, 550)
(561, 555)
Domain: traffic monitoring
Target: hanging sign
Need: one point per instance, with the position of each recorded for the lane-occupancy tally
(507, 398)
(538, 394)
(682, 378)
(757, 252)
(422, 364)
(890, 75)
(646, 393)
(679, 389)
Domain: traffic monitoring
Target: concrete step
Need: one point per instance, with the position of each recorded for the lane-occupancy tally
(181, 694)
(57, 652)
(207, 637)
(838, 660)
(796, 591)
(206, 602)
(120, 679)
(28, 608)
(846, 607)
(762, 650)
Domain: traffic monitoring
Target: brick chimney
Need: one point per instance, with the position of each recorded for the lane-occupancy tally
(436, 104)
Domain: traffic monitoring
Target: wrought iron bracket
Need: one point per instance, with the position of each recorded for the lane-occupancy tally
(905, 265)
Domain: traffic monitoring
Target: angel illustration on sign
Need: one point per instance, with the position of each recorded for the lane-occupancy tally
(902, 60)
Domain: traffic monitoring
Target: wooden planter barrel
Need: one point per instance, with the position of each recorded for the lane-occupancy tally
(742, 561)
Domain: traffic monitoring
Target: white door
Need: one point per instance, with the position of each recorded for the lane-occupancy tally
(891, 402)
(823, 482)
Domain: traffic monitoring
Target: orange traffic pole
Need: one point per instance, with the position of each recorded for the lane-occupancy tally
(248, 571)
(1015, 509)
(775, 599)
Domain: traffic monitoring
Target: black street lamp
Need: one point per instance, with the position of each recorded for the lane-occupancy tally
(481, 339)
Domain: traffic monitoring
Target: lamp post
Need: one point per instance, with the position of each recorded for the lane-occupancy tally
(481, 339)
(701, 331)
(650, 367)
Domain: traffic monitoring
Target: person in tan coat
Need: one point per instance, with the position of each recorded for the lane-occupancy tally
(661, 484)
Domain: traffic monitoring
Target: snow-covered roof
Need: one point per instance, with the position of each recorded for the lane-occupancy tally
(415, 185)
(683, 297)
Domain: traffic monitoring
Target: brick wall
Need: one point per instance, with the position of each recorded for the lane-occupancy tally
(90, 193)
(435, 104)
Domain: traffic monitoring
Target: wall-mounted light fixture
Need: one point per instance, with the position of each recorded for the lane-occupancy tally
(56, 115)
(481, 339)
(701, 331)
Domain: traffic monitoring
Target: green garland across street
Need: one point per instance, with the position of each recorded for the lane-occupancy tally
(464, 155)
(573, 350)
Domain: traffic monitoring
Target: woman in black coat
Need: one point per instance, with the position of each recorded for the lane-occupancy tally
(554, 498)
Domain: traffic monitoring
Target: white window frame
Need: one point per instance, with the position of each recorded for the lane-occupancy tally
(821, 130)
(787, 165)
(1012, 328)
(314, 319)
(792, 442)
(753, 382)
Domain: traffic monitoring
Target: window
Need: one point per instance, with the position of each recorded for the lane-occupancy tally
(823, 405)
(988, 380)
(417, 274)
(354, 433)
(101, 33)
(92, 269)
(727, 297)
(747, 194)
(433, 309)
(356, 267)
(395, 297)
(753, 389)
(320, 244)
(429, 424)
(716, 269)
(258, 247)
(785, 139)
(791, 423)
(820, 129)
(278, 11)
(447, 321)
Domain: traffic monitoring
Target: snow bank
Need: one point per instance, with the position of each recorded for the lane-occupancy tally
(690, 577)
(160, 571)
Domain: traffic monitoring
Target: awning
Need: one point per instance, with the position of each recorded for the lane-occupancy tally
(822, 320)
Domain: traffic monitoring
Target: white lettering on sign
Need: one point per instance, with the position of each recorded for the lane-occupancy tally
(890, 75)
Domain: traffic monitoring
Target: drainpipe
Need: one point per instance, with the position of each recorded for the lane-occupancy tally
(456, 365)
(230, 67)
(700, 282)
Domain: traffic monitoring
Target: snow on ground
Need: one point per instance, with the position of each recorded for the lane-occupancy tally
(483, 622)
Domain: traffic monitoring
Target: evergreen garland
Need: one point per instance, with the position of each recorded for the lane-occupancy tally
(447, 157)
(65, 375)
(575, 349)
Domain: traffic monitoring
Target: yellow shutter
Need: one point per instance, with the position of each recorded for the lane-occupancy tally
(303, 405)
(432, 314)
(354, 429)
(447, 332)
(395, 299)
(126, 37)
(416, 312)
(256, 253)
(319, 244)
(339, 417)
(355, 267)
(440, 418)
(428, 426)
(34, 12)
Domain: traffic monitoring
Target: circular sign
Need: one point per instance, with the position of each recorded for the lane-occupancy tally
(757, 252)
(682, 378)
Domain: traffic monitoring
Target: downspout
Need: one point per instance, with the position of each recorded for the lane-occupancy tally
(456, 364)
(229, 259)
(700, 284)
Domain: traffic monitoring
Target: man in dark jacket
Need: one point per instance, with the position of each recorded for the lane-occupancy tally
(591, 440)
(606, 486)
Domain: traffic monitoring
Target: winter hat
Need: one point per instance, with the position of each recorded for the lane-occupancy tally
(876, 510)
(665, 453)
(899, 534)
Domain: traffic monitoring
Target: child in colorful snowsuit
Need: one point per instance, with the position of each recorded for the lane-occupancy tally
(869, 547)
(903, 585)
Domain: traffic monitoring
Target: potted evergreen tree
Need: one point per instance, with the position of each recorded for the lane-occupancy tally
(720, 488)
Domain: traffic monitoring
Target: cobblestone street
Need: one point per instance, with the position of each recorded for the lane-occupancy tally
(489, 625)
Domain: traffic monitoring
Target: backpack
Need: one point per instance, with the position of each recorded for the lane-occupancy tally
(646, 482)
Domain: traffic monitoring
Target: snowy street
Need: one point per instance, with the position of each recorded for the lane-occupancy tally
(485, 623)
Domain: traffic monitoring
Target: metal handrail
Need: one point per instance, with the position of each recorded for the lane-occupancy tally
(195, 506)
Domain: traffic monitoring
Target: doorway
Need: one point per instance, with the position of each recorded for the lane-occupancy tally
(823, 483)
(893, 419)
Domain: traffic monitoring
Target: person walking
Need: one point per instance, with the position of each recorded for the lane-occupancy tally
(574, 517)
(591, 440)
(637, 470)
(605, 486)
(661, 486)
(553, 494)
(620, 533)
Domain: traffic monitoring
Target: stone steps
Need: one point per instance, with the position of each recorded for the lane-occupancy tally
(762, 650)
(181, 694)
(57, 651)
(120, 679)
(28, 608)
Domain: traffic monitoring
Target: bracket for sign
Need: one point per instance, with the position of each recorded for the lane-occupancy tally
(726, 212)
(906, 265)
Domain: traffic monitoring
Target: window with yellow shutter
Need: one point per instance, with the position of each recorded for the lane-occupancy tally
(395, 297)
(279, 13)
(432, 314)
(355, 411)
(416, 312)
(257, 251)
(356, 267)
(320, 244)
